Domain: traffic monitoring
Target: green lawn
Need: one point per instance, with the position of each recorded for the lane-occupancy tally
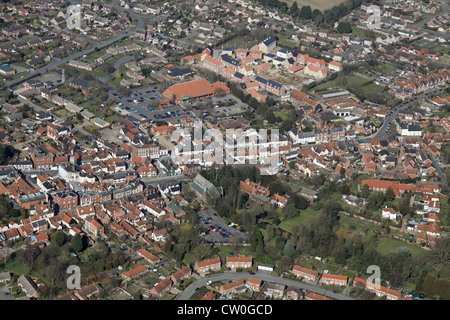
(62, 113)
(385, 67)
(365, 87)
(387, 246)
(332, 268)
(287, 42)
(282, 114)
(305, 218)
(348, 273)
(224, 250)
(361, 32)
(339, 198)
(16, 267)
(348, 81)
(240, 42)
(312, 264)
(188, 259)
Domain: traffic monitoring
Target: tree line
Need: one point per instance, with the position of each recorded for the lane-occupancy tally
(326, 18)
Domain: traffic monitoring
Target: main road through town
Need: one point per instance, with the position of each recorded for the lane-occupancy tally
(265, 276)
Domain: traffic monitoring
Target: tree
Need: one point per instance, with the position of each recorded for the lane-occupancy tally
(6, 153)
(202, 251)
(285, 263)
(305, 12)
(294, 10)
(78, 243)
(342, 172)
(290, 211)
(317, 16)
(292, 165)
(299, 202)
(331, 209)
(107, 67)
(118, 74)
(390, 194)
(365, 191)
(271, 118)
(440, 255)
(59, 238)
(257, 244)
(404, 207)
(276, 187)
(287, 125)
(344, 27)
(272, 251)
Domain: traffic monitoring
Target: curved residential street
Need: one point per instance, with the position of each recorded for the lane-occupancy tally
(201, 282)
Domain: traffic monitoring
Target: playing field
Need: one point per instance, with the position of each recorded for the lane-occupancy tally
(316, 4)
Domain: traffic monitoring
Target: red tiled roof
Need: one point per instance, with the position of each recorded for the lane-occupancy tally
(305, 270)
(239, 259)
(135, 271)
(209, 262)
(234, 284)
(315, 296)
(298, 95)
(191, 89)
(334, 276)
(208, 296)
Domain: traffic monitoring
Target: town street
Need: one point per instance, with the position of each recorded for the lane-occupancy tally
(201, 282)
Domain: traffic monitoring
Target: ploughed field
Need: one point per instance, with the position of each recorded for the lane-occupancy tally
(316, 4)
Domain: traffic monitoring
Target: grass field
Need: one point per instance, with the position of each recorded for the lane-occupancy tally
(367, 86)
(361, 32)
(282, 114)
(387, 246)
(19, 268)
(305, 218)
(316, 4)
(311, 263)
(285, 41)
(240, 42)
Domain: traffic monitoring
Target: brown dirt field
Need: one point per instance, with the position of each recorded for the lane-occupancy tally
(316, 4)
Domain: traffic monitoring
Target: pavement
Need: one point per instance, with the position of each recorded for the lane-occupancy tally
(213, 220)
(5, 294)
(381, 133)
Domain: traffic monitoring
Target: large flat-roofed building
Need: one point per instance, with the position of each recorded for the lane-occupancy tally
(194, 89)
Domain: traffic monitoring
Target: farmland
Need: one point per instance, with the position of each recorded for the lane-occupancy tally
(316, 4)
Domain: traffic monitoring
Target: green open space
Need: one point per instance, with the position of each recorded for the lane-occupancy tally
(305, 218)
(362, 33)
(348, 81)
(18, 268)
(388, 246)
